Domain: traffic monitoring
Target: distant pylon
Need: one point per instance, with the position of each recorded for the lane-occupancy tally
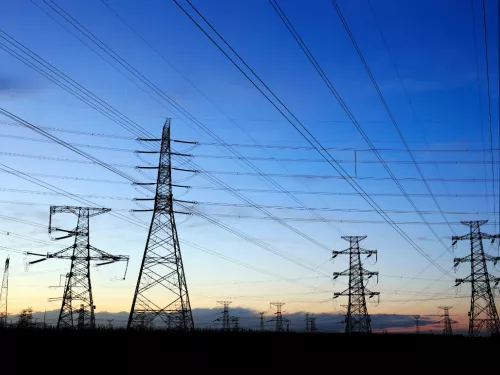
(4, 293)
(235, 320)
(161, 289)
(357, 319)
(279, 317)
(78, 287)
(25, 319)
(447, 330)
(313, 324)
(225, 316)
(307, 322)
(417, 323)
(483, 312)
(262, 320)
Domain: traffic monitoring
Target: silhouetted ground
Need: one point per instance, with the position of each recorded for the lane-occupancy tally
(139, 352)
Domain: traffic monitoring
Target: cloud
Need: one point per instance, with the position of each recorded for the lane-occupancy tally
(14, 87)
(250, 319)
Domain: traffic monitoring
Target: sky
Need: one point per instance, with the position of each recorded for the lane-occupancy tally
(428, 59)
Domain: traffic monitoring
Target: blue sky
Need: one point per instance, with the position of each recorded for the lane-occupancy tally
(432, 46)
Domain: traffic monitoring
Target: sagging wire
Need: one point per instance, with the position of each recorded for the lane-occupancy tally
(147, 162)
(185, 179)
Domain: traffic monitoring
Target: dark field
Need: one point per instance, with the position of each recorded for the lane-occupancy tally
(120, 350)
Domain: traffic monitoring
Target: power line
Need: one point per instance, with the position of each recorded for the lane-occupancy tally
(476, 54)
(318, 145)
(179, 108)
(339, 99)
(489, 113)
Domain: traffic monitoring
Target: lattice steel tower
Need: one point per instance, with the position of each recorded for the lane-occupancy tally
(279, 316)
(225, 316)
(4, 293)
(417, 323)
(447, 330)
(313, 324)
(357, 319)
(78, 288)
(483, 312)
(261, 325)
(161, 293)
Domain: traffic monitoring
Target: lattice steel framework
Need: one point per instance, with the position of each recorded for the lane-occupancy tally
(4, 294)
(357, 319)
(235, 320)
(447, 321)
(279, 316)
(261, 325)
(78, 287)
(313, 324)
(161, 296)
(225, 318)
(483, 313)
(417, 323)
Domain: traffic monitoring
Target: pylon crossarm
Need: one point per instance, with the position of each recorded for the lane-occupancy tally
(337, 253)
(343, 273)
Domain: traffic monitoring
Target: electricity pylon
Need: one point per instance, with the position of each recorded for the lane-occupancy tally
(483, 312)
(225, 316)
(313, 324)
(307, 322)
(236, 323)
(357, 319)
(4, 293)
(447, 330)
(279, 316)
(417, 323)
(161, 294)
(25, 318)
(262, 320)
(78, 287)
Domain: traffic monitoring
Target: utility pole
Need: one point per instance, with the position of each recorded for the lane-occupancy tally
(307, 322)
(262, 321)
(313, 324)
(4, 293)
(357, 319)
(287, 321)
(447, 330)
(225, 316)
(78, 287)
(161, 289)
(483, 313)
(110, 323)
(279, 317)
(417, 323)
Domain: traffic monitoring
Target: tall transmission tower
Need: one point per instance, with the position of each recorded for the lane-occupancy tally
(225, 316)
(279, 316)
(262, 320)
(4, 293)
(307, 322)
(25, 319)
(483, 313)
(236, 323)
(447, 330)
(161, 289)
(417, 323)
(357, 319)
(313, 324)
(78, 287)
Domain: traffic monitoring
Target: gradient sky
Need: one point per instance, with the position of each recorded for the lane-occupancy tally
(433, 46)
